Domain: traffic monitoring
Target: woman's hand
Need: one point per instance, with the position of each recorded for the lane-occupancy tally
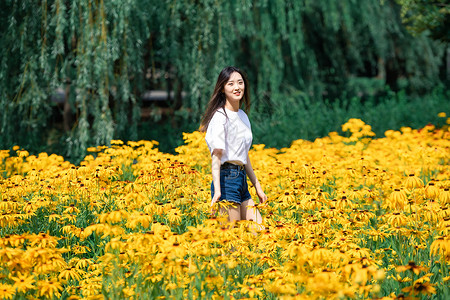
(214, 200)
(261, 195)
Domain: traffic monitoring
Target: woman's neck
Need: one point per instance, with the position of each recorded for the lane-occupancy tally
(233, 106)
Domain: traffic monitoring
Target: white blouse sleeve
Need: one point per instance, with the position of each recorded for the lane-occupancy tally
(215, 134)
(245, 119)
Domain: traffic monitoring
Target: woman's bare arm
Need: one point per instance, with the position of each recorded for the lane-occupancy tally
(251, 175)
(215, 171)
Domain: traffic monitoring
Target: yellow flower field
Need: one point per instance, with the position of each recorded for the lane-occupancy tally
(347, 217)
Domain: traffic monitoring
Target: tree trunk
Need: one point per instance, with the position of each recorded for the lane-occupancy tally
(67, 113)
(448, 63)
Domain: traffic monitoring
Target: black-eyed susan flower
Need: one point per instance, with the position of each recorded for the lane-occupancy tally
(397, 200)
(7, 291)
(71, 273)
(50, 288)
(251, 290)
(411, 266)
(441, 246)
(431, 191)
(413, 182)
(23, 282)
(444, 196)
(421, 286)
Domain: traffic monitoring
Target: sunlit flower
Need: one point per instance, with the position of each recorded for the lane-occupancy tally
(398, 199)
(421, 286)
(413, 182)
(50, 288)
(441, 246)
(23, 282)
(252, 291)
(71, 273)
(7, 291)
(444, 197)
(411, 266)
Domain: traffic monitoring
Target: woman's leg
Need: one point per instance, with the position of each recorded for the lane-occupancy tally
(250, 212)
(234, 214)
(233, 211)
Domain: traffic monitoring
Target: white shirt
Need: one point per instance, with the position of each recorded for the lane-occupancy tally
(232, 133)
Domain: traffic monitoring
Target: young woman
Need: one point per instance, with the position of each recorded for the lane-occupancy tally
(229, 138)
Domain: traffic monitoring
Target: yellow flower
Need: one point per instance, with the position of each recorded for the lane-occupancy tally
(442, 115)
(252, 291)
(280, 286)
(54, 217)
(444, 196)
(23, 282)
(83, 263)
(71, 273)
(50, 288)
(425, 288)
(413, 182)
(174, 217)
(7, 291)
(71, 209)
(377, 235)
(129, 291)
(396, 219)
(91, 286)
(431, 191)
(171, 286)
(411, 266)
(287, 197)
(441, 246)
(398, 199)
(399, 278)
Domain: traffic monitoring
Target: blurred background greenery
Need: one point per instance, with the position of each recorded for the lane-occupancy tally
(79, 73)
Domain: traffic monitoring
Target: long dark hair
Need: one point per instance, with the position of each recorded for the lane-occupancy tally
(218, 99)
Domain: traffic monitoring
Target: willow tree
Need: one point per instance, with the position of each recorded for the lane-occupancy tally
(432, 17)
(104, 54)
(94, 49)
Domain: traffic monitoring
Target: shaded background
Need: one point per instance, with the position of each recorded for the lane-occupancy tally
(79, 73)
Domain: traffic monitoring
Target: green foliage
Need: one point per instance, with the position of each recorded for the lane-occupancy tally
(308, 119)
(105, 54)
(300, 117)
(432, 16)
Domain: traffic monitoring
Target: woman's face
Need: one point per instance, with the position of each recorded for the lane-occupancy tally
(234, 88)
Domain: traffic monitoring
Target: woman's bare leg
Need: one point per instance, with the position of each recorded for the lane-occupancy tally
(251, 213)
(234, 214)
(233, 211)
